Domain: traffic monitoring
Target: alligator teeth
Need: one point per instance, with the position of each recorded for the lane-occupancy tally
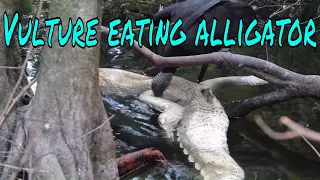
(178, 139)
(203, 172)
(178, 133)
(181, 145)
(207, 177)
(198, 166)
(185, 151)
(191, 158)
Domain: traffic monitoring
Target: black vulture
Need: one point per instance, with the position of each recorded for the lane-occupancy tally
(192, 12)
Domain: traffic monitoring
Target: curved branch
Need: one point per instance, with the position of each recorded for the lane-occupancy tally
(296, 130)
(225, 59)
(294, 85)
(260, 68)
(273, 134)
(246, 106)
(265, 70)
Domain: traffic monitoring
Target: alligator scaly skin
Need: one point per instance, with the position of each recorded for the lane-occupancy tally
(190, 110)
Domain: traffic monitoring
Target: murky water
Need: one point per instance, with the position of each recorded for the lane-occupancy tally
(135, 127)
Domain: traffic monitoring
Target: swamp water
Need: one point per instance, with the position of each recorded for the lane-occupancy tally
(135, 127)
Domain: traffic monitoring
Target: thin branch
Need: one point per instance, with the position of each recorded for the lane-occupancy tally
(9, 67)
(83, 136)
(225, 59)
(15, 100)
(295, 131)
(312, 147)
(18, 146)
(272, 134)
(293, 85)
(279, 12)
(312, 19)
(36, 120)
(242, 108)
(283, 9)
(10, 102)
(255, 66)
(95, 129)
(20, 168)
(310, 134)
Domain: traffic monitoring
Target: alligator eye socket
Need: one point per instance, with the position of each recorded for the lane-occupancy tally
(207, 95)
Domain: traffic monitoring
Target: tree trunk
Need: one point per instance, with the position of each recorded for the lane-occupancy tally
(66, 107)
(9, 56)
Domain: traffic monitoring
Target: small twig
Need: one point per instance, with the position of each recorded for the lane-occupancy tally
(93, 130)
(36, 120)
(252, 2)
(15, 100)
(84, 135)
(20, 168)
(278, 12)
(10, 102)
(266, 6)
(8, 67)
(312, 19)
(12, 142)
(312, 147)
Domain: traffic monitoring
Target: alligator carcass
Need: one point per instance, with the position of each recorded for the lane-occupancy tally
(190, 111)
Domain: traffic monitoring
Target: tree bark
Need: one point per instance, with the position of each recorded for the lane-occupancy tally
(66, 107)
(9, 56)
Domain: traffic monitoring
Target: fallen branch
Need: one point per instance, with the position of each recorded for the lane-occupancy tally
(265, 70)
